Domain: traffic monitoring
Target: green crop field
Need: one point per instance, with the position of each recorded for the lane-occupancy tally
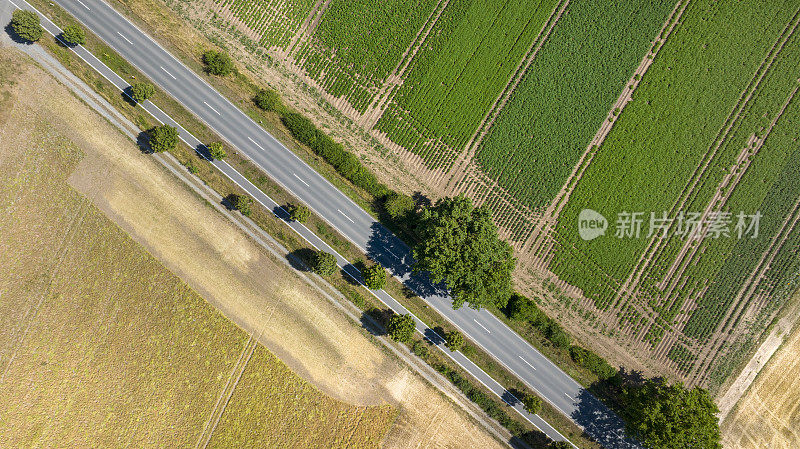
(737, 156)
(276, 21)
(468, 59)
(566, 95)
(358, 43)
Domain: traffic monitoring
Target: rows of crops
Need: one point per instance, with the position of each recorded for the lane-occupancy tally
(763, 171)
(276, 21)
(466, 61)
(358, 43)
(644, 163)
(566, 94)
(777, 204)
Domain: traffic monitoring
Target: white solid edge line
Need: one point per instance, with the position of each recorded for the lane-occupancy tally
(328, 182)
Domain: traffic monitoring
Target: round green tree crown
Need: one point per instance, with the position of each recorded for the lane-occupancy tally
(26, 24)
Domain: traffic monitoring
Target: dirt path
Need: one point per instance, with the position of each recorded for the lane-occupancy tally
(226, 393)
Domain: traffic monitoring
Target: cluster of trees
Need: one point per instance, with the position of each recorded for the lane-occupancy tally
(664, 416)
(520, 308)
(345, 162)
(26, 24)
(459, 245)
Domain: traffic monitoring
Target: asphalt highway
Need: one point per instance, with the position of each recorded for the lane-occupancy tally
(282, 165)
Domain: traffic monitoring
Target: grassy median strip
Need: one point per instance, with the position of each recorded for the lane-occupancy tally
(266, 220)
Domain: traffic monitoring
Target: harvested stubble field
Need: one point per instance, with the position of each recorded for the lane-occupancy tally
(101, 345)
(767, 415)
(350, 394)
(703, 121)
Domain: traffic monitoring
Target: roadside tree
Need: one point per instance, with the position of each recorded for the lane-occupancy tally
(459, 245)
(298, 212)
(217, 150)
(375, 276)
(531, 403)
(401, 327)
(242, 203)
(73, 35)
(26, 24)
(142, 91)
(454, 340)
(218, 63)
(324, 263)
(399, 206)
(267, 99)
(163, 138)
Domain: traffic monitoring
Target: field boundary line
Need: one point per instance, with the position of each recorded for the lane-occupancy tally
(733, 120)
(395, 79)
(227, 391)
(748, 287)
(308, 26)
(656, 243)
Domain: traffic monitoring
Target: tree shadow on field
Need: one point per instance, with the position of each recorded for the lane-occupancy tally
(301, 259)
(375, 320)
(143, 142)
(16, 38)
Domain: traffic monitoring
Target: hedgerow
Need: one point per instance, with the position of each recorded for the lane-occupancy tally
(346, 163)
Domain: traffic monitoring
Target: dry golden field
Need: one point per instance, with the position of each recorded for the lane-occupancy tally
(768, 414)
(101, 345)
